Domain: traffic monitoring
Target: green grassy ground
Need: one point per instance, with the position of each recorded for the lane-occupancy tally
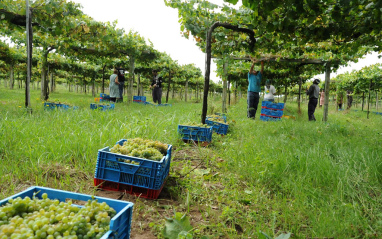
(312, 179)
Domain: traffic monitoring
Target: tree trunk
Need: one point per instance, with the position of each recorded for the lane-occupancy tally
(229, 92)
(181, 94)
(29, 55)
(240, 92)
(376, 100)
(19, 80)
(327, 90)
(93, 86)
(173, 90)
(299, 96)
(11, 77)
(185, 91)
(51, 82)
(235, 93)
(44, 73)
(368, 102)
(285, 93)
(103, 79)
(169, 84)
(224, 95)
(363, 99)
(197, 92)
(131, 79)
(138, 85)
(84, 85)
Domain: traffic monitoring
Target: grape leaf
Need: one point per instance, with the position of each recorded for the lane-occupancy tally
(177, 227)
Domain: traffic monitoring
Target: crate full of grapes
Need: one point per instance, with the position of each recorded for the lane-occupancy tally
(55, 105)
(218, 125)
(197, 133)
(40, 212)
(217, 116)
(137, 162)
(102, 107)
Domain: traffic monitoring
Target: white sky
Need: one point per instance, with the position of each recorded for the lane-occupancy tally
(368, 60)
(154, 21)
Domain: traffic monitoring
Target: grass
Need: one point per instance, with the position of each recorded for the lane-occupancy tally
(313, 179)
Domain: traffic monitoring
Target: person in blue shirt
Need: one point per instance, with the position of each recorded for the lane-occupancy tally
(254, 88)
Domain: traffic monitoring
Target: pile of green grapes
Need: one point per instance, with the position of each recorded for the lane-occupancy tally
(46, 218)
(193, 124)
(216, 118)
(141, 148)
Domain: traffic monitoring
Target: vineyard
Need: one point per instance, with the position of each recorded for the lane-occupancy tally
(193, 166)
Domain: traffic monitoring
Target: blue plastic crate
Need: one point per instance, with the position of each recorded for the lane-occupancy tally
(52, 106)
(66, 107)
(199, 134)
(217, 127)
(148, 174)
(270, 112)
(120, 224)
(271, 105)
(104, 100)
(267, 118)
(94, 106)
(104, 96)
(49, 105)
(138, 98)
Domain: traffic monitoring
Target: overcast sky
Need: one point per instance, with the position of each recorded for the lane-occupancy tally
(154, 21)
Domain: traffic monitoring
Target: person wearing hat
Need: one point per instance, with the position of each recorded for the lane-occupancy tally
(314, 94)
(156, 85)
(270, 90)
(253, 94)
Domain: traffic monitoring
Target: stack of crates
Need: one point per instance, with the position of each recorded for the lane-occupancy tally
(104, 97)
(120, 224)
(218, 127)
(271, 111)
(95, 106)
(194, 133)
(141, 177)
(139, 99)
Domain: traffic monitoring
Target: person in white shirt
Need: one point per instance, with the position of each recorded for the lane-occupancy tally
(269, 90)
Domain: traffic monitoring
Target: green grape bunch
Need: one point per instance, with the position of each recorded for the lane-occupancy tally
(216, 118)
(193, 124)
(47, 218)
(141, 148)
